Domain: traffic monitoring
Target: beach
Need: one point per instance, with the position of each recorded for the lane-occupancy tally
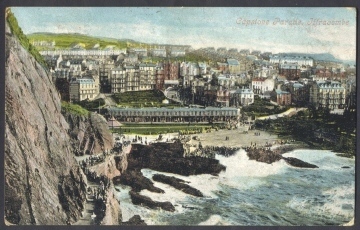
(236, 138)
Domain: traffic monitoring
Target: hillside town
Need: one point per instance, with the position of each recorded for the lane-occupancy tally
(119, 118)
(222, 78)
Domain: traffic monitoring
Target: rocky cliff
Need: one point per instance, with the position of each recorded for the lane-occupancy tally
(89, 133)
(43, 183)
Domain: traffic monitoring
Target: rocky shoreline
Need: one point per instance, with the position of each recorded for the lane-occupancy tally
(163, 157)
(266, 155)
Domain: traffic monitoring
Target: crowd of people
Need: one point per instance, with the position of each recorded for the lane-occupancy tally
(211, 151)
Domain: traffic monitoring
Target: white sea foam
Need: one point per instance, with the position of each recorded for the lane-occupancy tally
(128, 209)
(324, 159)
(343, 200)
(244, 173)
(214, 220)
(339, 201)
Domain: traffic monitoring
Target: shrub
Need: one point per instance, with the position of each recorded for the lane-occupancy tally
(24, 41)
(73, 109)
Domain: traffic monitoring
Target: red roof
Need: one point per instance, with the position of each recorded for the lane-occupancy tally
(258, 79)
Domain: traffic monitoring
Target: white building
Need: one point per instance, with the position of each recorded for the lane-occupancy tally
(262, 85)
(226, 81)
(177, 53)
(158, 52)
(142, 52)
(300, 60)
(328, 94)
(202, 66)
(147, 76)
(189, 69)
(242, 97)
(83, 52)
(84, 88)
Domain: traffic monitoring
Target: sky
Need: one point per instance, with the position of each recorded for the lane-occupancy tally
(232, 27)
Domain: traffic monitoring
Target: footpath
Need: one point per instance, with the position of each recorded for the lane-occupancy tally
(288, 112)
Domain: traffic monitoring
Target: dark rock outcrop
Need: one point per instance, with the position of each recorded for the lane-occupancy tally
(263, 155)
(298, 163)
(270, 156)
(43, 182)
(178, 184)
(147, 201)
(168, 157)
(137, 181)
(135, 220)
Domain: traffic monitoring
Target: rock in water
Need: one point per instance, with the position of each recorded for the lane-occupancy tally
(270, 156)
(298, 163)
(135, 220)
(136, 181)
(144, 200)
(178, 184)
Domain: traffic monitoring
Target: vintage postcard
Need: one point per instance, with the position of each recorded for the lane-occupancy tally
(180, 116)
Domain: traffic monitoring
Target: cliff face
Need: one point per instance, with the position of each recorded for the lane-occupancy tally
(89, 134)
(43, 183)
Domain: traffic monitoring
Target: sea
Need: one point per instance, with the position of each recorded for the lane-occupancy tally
(251, 193)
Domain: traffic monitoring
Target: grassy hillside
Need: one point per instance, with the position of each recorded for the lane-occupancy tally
(88, 42)
(17, 31)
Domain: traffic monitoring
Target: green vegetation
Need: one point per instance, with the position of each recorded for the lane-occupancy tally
(150, 98)
(91, 105)
(193, 57)
(189, 57)
(67, 40)
(155, 129)
(17, 31)
(318, 129)
(262, 107)
(73, 109)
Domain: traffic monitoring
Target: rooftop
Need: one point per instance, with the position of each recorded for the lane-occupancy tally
(278, 91)
(232, 62)
(244, 91)
(154, 109)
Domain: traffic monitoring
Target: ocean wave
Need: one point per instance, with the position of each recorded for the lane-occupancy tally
(336, 203)
(243, 173)
(214, 220)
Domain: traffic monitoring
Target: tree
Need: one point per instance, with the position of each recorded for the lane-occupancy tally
(214, 80)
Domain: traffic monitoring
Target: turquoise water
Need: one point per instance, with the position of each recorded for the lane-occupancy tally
(254, 193)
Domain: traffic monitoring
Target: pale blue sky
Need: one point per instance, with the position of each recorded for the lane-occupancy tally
(203, 27)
